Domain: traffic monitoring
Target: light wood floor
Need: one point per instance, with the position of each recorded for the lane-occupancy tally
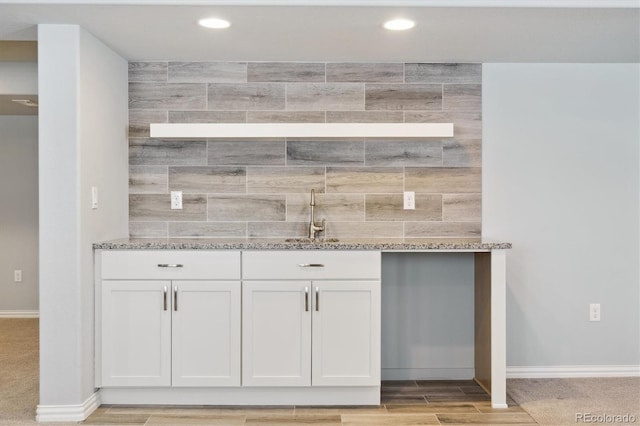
(403, 403)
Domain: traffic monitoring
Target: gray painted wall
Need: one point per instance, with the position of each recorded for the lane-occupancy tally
(19, 214)
(427, 316)
(560, 180)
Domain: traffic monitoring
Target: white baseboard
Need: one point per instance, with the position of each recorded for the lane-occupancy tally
(19, 314)
(567, 371)
(258, 395)
(68, 413)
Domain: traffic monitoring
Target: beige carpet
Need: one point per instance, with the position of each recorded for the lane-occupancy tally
(558, 401)
(18, 371)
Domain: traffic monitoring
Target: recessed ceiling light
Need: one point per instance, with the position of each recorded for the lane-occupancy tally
(399, 24)
(216, 23)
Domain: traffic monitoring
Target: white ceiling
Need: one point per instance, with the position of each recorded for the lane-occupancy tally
(347, 30)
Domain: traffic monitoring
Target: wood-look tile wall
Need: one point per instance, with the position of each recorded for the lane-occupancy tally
(259, 188)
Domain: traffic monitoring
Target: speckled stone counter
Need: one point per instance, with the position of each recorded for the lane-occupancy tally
(470, 245)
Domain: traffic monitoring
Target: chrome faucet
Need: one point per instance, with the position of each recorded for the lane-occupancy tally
(313, 228)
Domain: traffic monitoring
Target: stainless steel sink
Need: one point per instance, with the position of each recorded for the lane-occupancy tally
(310, 241)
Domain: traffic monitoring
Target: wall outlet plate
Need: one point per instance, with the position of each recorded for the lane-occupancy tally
(594, 312)
(409, 200)
(17, 275)
(176, 200)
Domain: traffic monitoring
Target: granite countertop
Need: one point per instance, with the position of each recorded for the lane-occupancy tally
(443, 244)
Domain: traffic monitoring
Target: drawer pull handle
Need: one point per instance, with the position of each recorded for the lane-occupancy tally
(175, 298)
(306, 299)
(164, 298)
(170, 265)
(311, 265)
(317, 299)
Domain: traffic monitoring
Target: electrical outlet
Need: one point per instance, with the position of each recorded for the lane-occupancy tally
(17, 276)
(594, 312)
(176, 200)
(409, 200)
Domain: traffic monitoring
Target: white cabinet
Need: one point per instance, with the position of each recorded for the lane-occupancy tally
(171, 332)
(206, 333)
(276, 334)
(169, 265)
(136, 334)
(311, 265)
(322, 331)
(229, 327)
(346, 333)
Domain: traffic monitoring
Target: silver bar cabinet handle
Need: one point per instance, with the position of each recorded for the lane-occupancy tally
(175, 298)
(311, 265)
(170, 265)
(164, 298)
(306, 299)
(317, 299)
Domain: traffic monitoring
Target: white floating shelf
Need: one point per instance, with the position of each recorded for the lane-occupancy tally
(301, 130)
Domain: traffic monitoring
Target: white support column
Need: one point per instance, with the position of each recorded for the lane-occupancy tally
(498, 329)
(82, 143)
(61, 363)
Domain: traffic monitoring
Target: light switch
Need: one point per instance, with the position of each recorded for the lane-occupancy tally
(94, 197)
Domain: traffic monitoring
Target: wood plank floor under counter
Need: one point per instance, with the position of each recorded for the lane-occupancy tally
(406, 402)
(403, 402)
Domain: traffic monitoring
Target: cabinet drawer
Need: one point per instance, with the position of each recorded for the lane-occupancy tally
(170, 264)
(307, 264)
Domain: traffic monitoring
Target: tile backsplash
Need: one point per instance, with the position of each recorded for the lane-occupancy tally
(259, 188)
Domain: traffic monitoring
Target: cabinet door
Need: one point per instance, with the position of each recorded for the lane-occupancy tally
(276, 333)
(136, 333)
(206, 333)
(346, 333)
